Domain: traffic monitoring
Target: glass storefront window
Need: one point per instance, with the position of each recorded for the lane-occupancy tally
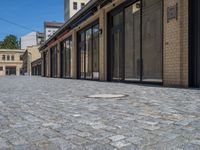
(95, 51)
(54, 61)
(132, 42)
(152, 40)
(135, 45)
(66, 47)
(89, 53)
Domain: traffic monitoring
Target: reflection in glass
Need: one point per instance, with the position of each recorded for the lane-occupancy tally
(54, 61)
(152, 40)
(89, 53)
(82, 54)
(117, 64)
(88, 57)
(132, 42)
(96, 52)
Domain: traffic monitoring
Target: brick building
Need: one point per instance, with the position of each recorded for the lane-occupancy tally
(142, 41)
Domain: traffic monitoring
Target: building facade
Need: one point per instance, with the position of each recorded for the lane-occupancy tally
(50, 28)
(36, 67)
(30, 55)
(138, 41)
(31, 39)
(71, 7)
(10, 61)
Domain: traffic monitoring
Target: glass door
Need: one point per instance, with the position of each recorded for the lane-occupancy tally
(88, 52)
(54, 61)
(63, 59)
(152, 41)
(132, 42)
(117, 55)
(135, 42)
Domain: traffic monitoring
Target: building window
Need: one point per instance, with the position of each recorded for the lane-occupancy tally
(1, 68)
(12, 57)
(53, 54)
(89, 53)
(8, 57)
(4, 57)
(75, 5)
(82, 5)
(136, 42)
(66, 62)
(21, 57)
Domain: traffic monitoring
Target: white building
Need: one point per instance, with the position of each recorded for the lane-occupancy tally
(73, 6)
(31, 39)
(50, 28)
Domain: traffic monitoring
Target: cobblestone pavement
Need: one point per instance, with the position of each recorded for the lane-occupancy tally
(56, 114)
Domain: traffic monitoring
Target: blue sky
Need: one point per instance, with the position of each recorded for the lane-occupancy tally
(29, 13)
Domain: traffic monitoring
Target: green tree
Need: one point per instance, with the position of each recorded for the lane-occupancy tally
(10, 42)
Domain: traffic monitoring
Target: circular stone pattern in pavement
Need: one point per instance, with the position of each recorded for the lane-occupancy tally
(107, 96)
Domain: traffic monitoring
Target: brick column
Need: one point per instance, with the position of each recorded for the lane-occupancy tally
(102, 47)
(176, 45)
(74, 55)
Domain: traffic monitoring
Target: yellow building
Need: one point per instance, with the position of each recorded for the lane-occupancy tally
(31, 54)
(139, 41)
(10, 61)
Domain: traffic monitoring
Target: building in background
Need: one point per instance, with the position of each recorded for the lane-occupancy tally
(50, 28)
(10, 61)
(73, 6)
(31, 39)
(36, 67)
(30, 55)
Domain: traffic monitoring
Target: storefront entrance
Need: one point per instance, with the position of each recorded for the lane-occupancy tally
(53, 53)
(135, 42)
(88, 52)
(10, 71)
(44, 64)
(65, 58)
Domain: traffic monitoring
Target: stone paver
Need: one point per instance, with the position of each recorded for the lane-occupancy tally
(57, 114)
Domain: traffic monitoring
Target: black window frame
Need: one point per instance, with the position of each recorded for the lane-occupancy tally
(8, 57)
(82, 5)
(3, 57)
(63, 73)
(119, 8)
(12, 57)
(75, 5)
(54, 67)
(90, 26)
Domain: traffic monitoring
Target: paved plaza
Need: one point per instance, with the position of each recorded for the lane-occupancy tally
(57, 114)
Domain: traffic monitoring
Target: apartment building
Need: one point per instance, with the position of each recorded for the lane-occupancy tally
(71, 7)
(50, 28)
(135, 41)
(31, 39)
(10, 61)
